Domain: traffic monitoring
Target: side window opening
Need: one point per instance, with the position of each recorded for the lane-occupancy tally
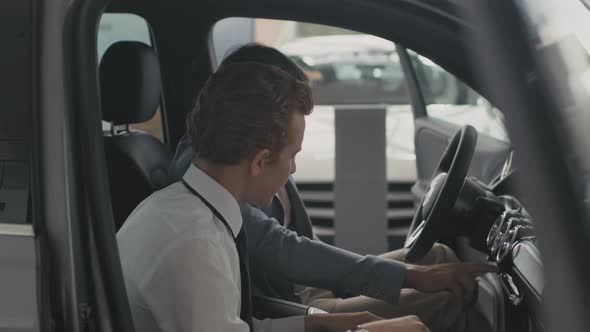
(128, 27)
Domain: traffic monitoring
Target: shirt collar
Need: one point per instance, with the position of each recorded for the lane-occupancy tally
(216, 195)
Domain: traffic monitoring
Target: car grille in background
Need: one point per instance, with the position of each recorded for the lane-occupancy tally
(319, 201)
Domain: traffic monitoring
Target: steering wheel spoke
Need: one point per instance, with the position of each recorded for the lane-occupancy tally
(415, 234)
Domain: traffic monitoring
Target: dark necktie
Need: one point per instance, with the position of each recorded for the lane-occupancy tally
(241, 242)
(242, 247)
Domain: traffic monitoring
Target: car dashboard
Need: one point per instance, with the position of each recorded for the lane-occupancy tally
(511, 243)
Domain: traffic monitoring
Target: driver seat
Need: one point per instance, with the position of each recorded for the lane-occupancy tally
(137, 162)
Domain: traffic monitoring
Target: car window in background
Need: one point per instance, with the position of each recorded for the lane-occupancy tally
(128, 27)
(345, 68)
(350, 68)
(449, 99)
(121, 27)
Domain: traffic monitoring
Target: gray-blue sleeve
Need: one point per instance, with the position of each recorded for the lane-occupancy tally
(283, 253)
(182, 159)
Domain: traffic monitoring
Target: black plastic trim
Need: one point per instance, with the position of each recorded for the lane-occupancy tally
(106, 276)
(414, 89)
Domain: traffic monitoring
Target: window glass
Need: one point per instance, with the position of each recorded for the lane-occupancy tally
(121, 27)
(449, 99)
(345, 68)
(128, 27)
(350, 68)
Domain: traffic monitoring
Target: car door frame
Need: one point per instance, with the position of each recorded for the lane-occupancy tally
(24, 250)
(84, 278)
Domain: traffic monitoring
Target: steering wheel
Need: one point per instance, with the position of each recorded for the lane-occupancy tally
(441, 195)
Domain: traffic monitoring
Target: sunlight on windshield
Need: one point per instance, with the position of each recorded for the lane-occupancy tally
(565, 25)
(560, 32)
(556, 19)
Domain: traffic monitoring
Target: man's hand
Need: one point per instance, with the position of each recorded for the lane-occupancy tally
(403, 324)
(458, 278)
(338, 322)
(365, 320)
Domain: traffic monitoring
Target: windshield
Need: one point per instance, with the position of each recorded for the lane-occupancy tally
(350, 69)
(560, 32)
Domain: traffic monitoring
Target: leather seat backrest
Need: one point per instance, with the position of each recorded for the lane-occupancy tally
(137, 162)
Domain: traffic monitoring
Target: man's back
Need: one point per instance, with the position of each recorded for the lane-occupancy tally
(169, 246)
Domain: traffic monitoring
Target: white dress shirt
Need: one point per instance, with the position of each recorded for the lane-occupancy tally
(181, 265)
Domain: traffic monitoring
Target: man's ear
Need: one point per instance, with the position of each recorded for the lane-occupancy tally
(259, 161)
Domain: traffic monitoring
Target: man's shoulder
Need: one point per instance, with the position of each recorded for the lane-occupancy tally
(172, 209)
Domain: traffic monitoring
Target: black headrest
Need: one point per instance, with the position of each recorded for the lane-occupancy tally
(129, 83)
